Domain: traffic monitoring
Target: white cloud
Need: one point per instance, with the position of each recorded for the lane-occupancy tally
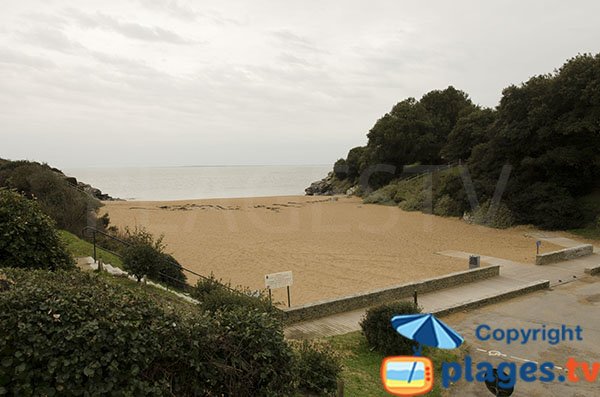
(181, 82)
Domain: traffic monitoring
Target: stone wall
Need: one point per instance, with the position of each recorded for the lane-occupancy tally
(328, 307)
(495, 298)
(593, 271)
(564, 254)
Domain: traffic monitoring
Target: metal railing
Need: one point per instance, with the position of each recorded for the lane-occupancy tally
(417, 171)
(184, 285)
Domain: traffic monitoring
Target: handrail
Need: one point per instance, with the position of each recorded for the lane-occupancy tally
(416, 175)
(128, 244)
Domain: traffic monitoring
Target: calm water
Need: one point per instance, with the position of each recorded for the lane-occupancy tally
(178, 183)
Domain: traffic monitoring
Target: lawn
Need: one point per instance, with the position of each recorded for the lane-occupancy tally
(79, 248)
(361, 365)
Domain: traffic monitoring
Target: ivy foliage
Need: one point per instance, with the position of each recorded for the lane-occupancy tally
(27, 236)
(74, 333)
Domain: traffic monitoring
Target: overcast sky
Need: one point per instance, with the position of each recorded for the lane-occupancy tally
(167, 82)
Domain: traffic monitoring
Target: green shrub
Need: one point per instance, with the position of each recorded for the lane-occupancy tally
(76, 333)
(377, 328)
(254, 358)
(340, 169)
(142, 260)
(70, 333)
(385, 195)
(547, 206)
(216, 295)
(28, 238)
(501, 218)
(171, 273)
(70, 208)
(317, 368)
(447, 206)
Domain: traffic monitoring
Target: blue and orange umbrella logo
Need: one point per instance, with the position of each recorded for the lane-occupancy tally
(406, 375)
(413, 375)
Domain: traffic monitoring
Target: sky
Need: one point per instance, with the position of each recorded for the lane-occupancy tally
(174, 82)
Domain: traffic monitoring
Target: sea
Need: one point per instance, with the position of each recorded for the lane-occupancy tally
(200, 182)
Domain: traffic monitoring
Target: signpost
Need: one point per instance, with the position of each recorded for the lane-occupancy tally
(279, 280)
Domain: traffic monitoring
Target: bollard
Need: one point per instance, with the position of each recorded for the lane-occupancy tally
(474, 261)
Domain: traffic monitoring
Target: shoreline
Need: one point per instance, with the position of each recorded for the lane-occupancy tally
(335, 245)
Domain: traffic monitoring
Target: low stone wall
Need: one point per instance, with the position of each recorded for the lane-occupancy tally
(592, 271)
(564, 254)
(385, 295)
(495, 298)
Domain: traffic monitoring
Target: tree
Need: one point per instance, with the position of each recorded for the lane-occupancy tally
(143, 260)
(469, 131)
(340, 169)
(29, 239)
(355, 162)
(445, 107)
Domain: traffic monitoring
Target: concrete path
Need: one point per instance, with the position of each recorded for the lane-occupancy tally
(560, 241)
(556, 273)
(513, 275)
(115, 271)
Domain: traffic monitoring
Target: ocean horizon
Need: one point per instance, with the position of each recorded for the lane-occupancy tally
(200, 181)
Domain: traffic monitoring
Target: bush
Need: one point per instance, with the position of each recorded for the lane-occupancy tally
(317, 368)
(29, 239)
(216, 295)
(501, 218)
(70, 208)
(386, 196)
(340, 169)
(377, 328)
(253, 356)
(547, 206)
(75, 333)
(142, 260)
(171, 273)
(447, 206)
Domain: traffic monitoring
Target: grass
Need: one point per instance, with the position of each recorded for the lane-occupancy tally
(159, 295)
(361, 365)
(79, 248)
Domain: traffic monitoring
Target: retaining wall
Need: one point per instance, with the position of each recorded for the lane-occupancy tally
(495, 298)
(564, 254)
(385, 295)
(593, 271)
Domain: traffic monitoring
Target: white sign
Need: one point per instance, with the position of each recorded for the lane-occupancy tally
(278, 280)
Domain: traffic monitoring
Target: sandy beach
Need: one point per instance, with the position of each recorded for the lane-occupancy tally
(334, 246)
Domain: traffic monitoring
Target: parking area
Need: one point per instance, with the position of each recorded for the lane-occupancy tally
(576, 303)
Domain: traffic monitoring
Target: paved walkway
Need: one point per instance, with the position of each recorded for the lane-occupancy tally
(512, 275)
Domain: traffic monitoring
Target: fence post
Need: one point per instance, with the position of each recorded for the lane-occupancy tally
(94, 238)
(340, 390)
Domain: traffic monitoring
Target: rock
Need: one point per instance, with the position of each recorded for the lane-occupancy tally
(72, 180)
(95, 192)
(324, 187)
(352, 191)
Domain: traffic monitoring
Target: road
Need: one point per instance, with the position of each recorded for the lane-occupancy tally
(574, 303)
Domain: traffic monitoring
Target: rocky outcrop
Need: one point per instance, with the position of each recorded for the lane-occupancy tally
(324, 187)
(329, 186)
(97, 193)
(89, 189)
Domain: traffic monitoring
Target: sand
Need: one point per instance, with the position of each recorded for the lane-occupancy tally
(334, 246)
